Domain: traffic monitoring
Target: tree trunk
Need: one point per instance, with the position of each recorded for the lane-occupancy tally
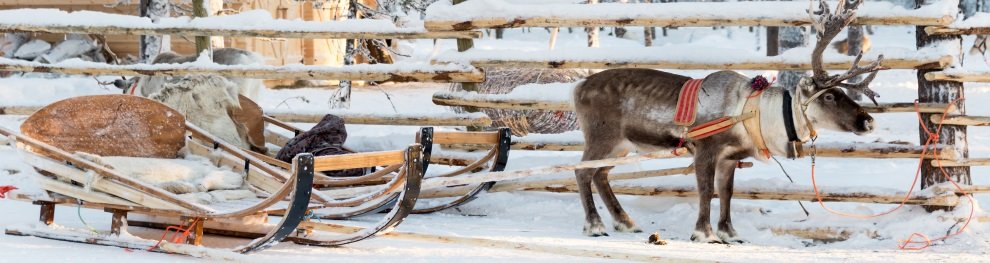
(980, 44)
(199, 10)
(150, 45)
(773, 41)
(499, 32)
(649, 33)
(464, 45)
(343, 96)
(791, 37)
(854, 39)
(592, 31)
(941, 92)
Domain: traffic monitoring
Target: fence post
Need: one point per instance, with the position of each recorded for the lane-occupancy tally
(199, 10)
(151, 45)
(464, 45)
(940, 92)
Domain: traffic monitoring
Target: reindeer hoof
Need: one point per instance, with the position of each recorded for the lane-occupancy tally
(627, 228)
(727, 238)
(701, 237)
(595, 229)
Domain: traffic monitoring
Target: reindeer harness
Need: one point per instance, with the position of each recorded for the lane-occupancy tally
(686, 112)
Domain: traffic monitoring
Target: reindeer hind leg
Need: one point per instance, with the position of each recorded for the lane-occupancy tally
(622, 221)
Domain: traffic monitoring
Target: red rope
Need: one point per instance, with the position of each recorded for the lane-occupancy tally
(932, 138)
(6, 188)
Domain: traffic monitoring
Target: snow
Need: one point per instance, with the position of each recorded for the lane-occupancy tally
(549, 92)
(260, 20)
(793, 11)
(555, 219)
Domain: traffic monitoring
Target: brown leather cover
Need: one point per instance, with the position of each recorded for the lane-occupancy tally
(109, 125)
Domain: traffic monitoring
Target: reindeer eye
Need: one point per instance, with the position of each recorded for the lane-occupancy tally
(828, 97)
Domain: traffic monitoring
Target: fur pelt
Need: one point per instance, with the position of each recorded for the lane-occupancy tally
(205, 100)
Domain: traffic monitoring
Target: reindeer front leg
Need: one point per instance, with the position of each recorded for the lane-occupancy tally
(725, 173)
(705, 162)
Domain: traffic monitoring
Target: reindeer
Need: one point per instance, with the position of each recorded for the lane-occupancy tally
(621, 110)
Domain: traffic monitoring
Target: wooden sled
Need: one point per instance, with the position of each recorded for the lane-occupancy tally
(495, 159)
(122, 125)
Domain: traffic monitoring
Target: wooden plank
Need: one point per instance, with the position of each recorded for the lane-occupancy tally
(948, 30)
(260, 33)
(826, 234)
(357, 160)
(494, 101)
(863, 150)
(79, 193)
(377, 72)
(974, 76)
(860, 197)
(961, 162)
(693, 14)
(106, 186)
(964, 120)
(893, 63)
(465, 137)
(405, 119)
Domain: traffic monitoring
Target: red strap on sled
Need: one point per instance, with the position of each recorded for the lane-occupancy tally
(687, 103)
(6, 188)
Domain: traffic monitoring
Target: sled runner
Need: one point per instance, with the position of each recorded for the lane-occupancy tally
(104, 151)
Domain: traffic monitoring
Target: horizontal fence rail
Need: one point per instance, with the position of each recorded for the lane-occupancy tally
(477, 14)
(250, 24)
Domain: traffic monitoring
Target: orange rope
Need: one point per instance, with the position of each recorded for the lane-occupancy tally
(932, 138)
(176, 238)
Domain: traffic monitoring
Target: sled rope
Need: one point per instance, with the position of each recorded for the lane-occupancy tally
(79, 214)
(176, 238)
(4, 189)
(910, 243)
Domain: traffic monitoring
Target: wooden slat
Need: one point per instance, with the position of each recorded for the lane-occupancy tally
(663, 22)
(691, 14)
(893, 63)
(975, 76)
(405, 119)
(496, 102)
(962, 120)
(358, 160)
(192, 32)
(942, 200)
(865, 150)
(944, 30)
(107, 186)
(78, 192)
(465, 137)
(359, 72)
(961, 162)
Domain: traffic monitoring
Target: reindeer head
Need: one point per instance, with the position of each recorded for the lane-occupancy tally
(823, 101)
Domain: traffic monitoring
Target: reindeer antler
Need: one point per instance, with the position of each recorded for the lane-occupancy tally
(828, 25)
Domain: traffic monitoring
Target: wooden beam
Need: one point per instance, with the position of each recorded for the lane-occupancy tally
(974, 76)
(389, 72)
(442, 137)
(769, 64)
(118, 223)
(826, 234)
(453, 17)
(414, 120)
(961, 162)
(964, 120)
(193, 32)
(944, 30)
(862, 150)
(357, 160)
(859, 197)
(47, 215)
(495, 101)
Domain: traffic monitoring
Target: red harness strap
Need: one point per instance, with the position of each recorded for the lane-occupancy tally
(687, 103)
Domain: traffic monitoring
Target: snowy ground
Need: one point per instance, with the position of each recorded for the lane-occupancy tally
(556, 219)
